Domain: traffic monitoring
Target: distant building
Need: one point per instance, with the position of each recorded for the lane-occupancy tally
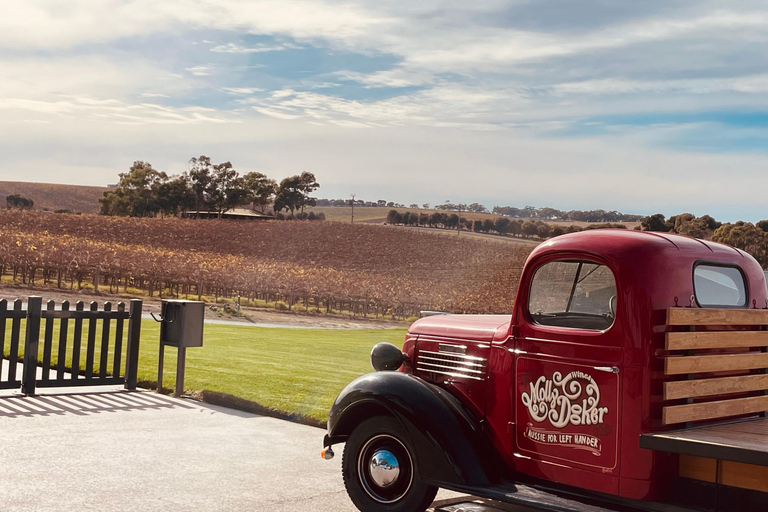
(234, 214)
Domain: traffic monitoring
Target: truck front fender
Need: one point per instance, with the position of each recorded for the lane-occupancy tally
(449, 443)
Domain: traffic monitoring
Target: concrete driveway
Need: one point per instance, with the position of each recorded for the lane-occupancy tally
(120, 451)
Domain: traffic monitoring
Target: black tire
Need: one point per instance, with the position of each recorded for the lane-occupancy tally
(406, 493)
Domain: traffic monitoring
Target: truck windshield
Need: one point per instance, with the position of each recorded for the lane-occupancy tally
(575, 294)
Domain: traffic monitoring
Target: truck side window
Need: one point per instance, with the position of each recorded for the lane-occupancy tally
(716, 285)
(576, 294)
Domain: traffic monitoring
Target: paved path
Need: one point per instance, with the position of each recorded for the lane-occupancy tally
(120, 451)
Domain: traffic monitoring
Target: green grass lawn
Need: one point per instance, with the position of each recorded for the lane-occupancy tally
(298, 371)
(295, 371)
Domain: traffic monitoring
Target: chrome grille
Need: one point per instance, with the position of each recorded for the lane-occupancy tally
(453, 365)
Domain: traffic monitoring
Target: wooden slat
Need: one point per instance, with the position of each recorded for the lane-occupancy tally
(91, 348)
(13, 357)
(712, 387)
(104, 352)
(48, 343)
(700, 316)
(3, 311)
(76, 342)
(87, 315)
(746, 476)
(715, 363)
(698, 468)
(118, 341)
(62, 354)
(710, 410)
(716, 339)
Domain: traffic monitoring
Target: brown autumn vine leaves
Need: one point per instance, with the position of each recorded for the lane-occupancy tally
(324, 264)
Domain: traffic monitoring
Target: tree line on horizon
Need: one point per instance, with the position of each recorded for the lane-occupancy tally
(752, 238)
(500, 225)
(144, 191)
(527, 212)
(749, 237)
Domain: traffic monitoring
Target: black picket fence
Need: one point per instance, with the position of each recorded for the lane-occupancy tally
(86, 325)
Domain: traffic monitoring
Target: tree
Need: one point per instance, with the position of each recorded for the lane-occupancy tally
(530, 229)
(746, 236)
(136, 192)
(501, 225)
(174, 196)
(19, 201)
(200, 177)
(425, 206)
(556, 231)
(654, 222)
(712, 224)
(259, 188)
(477, 208)
(763, 224)
(693, 227)
(413, 205)
(225, 190)
(288, 195)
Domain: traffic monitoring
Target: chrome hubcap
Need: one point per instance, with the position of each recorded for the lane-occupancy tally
(384, 468)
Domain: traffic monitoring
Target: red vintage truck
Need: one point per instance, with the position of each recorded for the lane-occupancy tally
(632, 374)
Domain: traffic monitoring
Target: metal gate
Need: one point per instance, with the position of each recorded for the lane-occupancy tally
(69, 345)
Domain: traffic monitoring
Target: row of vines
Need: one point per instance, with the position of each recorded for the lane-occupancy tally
(320, 267)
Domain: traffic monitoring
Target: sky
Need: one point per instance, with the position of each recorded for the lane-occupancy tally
(640, 107)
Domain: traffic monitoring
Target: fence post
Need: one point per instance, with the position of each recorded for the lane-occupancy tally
(31, 340)
(134, 336)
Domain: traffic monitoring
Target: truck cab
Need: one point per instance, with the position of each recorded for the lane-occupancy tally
(574, 392)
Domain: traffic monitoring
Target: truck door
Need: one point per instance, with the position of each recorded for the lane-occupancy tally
(568, 373)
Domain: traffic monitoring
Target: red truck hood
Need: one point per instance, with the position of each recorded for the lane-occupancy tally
(468, 327)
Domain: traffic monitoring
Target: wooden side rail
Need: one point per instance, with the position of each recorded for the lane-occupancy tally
(699, 361)
(699, 316)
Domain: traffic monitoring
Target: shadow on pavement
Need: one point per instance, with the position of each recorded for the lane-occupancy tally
(82, 404)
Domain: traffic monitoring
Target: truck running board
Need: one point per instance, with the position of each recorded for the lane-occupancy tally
(540, 499)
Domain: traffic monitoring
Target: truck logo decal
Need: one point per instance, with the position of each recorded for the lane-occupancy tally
(570, 400)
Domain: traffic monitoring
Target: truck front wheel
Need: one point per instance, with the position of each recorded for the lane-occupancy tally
(379, 471)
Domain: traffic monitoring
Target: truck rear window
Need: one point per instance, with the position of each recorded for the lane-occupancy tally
(575, 294)
(719, 286)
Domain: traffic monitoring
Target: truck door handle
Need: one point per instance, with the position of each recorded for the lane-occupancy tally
(609, 369)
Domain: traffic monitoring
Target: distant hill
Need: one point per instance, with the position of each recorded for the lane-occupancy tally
(50, 196)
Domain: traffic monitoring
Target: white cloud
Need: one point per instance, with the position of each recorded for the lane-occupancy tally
(493, 168)
(199, 70)
(483, 83)
(242, 90)
(262, 48)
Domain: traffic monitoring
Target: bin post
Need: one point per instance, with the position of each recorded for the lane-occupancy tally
(181, 363)
(31, 342)
(134, 337)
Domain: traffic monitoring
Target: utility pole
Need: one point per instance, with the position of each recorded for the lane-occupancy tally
(353, 209)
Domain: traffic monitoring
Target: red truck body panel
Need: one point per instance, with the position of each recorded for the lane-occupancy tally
(565, 404)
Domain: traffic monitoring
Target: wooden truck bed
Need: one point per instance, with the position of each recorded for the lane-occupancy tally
(717, 363)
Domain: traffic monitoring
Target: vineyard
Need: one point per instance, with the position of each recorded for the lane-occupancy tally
(318, 267)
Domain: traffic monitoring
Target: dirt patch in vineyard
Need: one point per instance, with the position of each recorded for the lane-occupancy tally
(250, 316)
